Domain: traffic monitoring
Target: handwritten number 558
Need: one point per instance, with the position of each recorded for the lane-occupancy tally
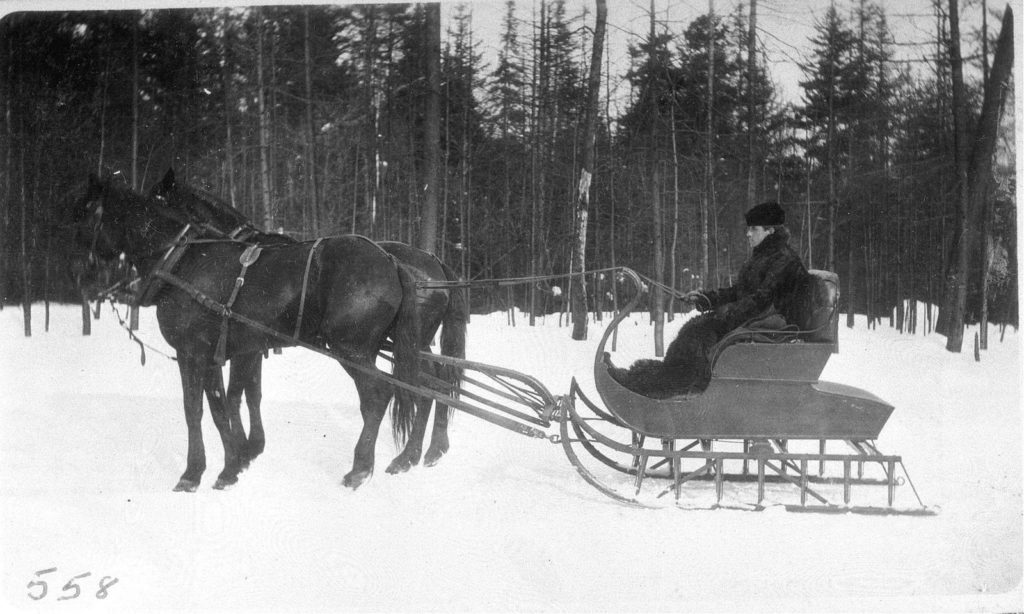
(38, 588)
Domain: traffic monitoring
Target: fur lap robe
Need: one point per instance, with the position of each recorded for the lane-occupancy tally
(772, 278)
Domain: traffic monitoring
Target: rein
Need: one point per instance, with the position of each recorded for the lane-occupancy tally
(516, 281)
(109, 295)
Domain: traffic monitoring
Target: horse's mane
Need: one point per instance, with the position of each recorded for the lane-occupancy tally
(217, 206)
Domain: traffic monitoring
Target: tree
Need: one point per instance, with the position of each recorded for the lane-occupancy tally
(827, 100)
(956, 278)
(432, 136)
(979, 172)
(578, 290)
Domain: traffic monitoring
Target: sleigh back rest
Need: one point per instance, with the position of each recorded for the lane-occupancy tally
(819, 308)
(760, 355)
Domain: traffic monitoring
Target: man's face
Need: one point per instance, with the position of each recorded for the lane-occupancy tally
(756, 234)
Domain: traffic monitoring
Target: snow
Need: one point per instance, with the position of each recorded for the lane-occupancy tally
(92, 443)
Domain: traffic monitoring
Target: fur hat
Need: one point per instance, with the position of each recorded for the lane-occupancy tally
(766, 214)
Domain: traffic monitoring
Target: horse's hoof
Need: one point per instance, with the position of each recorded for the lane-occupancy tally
(355, 479)
(253, 449)
(224, 483)
(186, 485)
(401, 464)
(433, 457)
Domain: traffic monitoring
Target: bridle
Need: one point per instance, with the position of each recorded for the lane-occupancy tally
(184, 236)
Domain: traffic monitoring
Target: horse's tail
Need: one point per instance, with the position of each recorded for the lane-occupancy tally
(405, 334)
(453, 332)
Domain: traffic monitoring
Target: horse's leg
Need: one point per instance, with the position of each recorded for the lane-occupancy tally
(410, 455)
(192, 397)
(438, 437)
(374, 394)
(246, 376)
(228, 423)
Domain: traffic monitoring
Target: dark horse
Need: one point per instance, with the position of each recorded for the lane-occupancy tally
(437, 307)
(344, 294)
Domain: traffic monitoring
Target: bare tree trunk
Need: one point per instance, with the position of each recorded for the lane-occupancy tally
(133, 309)
(752, 106)
(465, 212)
(980, 165)
(810, 218)
(103, 116)
(657, 296)
(536, 172)
(264, 128)
(46, 274)
(311, 179)
(26, 292)
(956, 281)
(26, 276)
(7, 145)
(830, 255)
(986, 230)
(135, 102)
(432, 136)
(709, 164)
(657, 300)
(674, 251)
(229, 150)
(578, 290)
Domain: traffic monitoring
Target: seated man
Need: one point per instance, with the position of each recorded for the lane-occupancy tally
(770, 279)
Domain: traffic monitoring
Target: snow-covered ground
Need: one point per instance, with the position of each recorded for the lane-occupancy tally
(92, 443)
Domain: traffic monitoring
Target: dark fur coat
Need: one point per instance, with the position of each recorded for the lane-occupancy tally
(772, 278)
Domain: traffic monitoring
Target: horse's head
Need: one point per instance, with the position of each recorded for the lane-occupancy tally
(197, 204)
(86, 218)
(111, 219)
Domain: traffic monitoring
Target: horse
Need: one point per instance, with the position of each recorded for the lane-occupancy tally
(438, 307)
(343, 294)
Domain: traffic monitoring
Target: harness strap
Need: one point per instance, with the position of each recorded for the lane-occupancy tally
(305, 285)
(149, 287)
(248, 257)
(242, 233)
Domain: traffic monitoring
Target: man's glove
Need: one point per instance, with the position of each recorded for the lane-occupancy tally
(696, 298)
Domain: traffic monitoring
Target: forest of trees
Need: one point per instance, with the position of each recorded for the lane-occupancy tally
(312, 121)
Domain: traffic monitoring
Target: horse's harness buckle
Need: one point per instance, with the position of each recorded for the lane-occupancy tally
(249, 256)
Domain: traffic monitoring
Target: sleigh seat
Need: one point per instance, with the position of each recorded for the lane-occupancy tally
(751, 355)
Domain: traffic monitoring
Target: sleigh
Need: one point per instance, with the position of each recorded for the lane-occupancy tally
(763, 400)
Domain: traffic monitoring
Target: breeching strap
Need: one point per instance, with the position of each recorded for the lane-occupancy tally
(305, 285)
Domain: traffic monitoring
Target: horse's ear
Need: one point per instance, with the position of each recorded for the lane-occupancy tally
(167, 183)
